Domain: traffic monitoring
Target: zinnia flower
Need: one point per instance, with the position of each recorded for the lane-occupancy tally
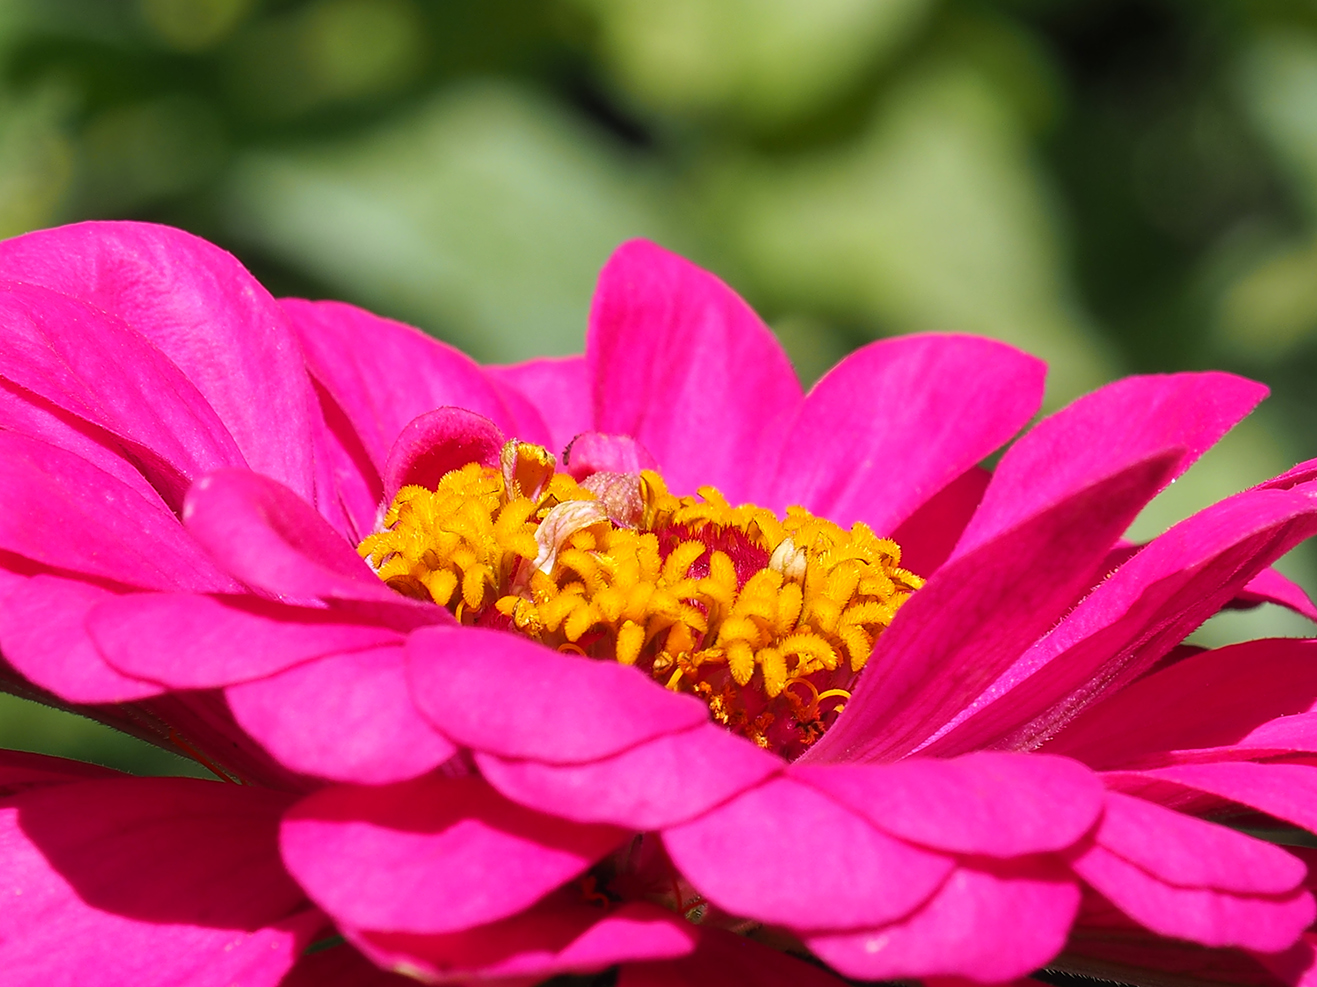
(641, 658)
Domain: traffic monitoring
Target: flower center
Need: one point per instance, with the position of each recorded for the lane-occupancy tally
(769, 620)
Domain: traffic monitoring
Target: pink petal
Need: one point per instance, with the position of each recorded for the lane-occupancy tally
(1121, 423)
(271, 539)
(1133, 617)
(352, 477)
(555, 937)
(979, 612)
(1203, 915)
(44, 636)
(60, 510)
(551, 707)
(929, 534)
(723, 958)
(595, 452)
(197, 642)
(384, 374)
(347, 717)
(895, 422)
(995, 804)
(205, 312)
(559, 388)
(1191, 853)
(431, 855)
(990, 924)
(1269, 586)
(104, 885)
(1286, 791)
(656, 784)
(1105, 944)
(682, 364)
(784, 853)
(435, 443)
(22, 770)
(24, 412)
(123, 384)
(1212, 699)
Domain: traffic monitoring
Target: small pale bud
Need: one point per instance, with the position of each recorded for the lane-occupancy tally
(789, 560)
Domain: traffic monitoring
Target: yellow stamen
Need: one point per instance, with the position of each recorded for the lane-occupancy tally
(732, 604)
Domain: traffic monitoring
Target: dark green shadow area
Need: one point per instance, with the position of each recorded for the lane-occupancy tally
(30, 726)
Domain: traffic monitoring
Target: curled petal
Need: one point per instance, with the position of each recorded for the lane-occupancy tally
(995, 804)
(436, 442)
(348, 717)
(431, 855)
(787, 854)
(556, 937)
(990, 923)
(1267, 923)
(188, 641)
(650, 786)
(497, 693)
(271, 539)
(1191, 853)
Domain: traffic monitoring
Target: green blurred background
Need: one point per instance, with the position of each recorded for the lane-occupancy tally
(1116, 185)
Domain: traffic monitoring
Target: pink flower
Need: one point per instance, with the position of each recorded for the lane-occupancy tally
(1021, 766)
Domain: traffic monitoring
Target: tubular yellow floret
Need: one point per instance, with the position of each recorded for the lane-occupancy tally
(729, 603)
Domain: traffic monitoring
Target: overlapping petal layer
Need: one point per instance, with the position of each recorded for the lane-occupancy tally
(178, 522)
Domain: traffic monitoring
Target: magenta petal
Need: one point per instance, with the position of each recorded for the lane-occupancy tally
(384, 374)
(347, 717)
(1118, 424)
(1203, 915)
(786, 854)
(205, 312)
(558, 388)
(123, 384)
(682, 364)
(104, 884)
(1208, 700)
(22, 770)
(431, 855)
(60, 510)
(196, 642)
(555, 937)
(898, 420)
(595, 452)
(551, 707)
(723, 958)
(659, 783)
(991, 924)
(435, 443)
(1269, 586)
(990, 803)
(1286, 791)
(929, 534)
(23, 412)
(271, 539)
(979, 612)
(1189, 852)
(1133, 617)
(68, 663)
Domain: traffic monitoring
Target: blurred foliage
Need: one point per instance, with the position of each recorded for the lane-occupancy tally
(1117, 185)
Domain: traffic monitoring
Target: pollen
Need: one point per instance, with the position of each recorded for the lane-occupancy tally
(768, 619)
